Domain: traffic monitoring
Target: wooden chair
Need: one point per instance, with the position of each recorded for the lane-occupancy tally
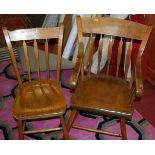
(37, 99)
(107, 95)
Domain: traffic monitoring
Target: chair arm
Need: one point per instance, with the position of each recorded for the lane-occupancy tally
(138, 80)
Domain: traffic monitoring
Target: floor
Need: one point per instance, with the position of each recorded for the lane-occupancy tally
(139, 128)
(146, 106)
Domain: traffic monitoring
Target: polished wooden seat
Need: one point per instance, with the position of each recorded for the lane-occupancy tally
(40, 98)
(107, 95)
(94, 98)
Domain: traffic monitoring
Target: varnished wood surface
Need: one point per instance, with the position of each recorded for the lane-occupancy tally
(108, 95)
(119, 55)
(111, 42)
(99, 54)
(34, 33)
(37, 99)
(114, 27)
(128, 58)
(67, 28)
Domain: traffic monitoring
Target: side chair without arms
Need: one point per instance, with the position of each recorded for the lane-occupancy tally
(107, 95)
(41, 98)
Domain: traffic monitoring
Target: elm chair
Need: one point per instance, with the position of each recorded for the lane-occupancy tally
(37, 99)
(105, 94)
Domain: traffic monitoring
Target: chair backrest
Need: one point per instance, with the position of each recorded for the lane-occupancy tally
(34, 34)
(112, 28)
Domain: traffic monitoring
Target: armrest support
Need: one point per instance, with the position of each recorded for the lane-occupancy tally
(137, 76)
(138, 79)
(77, 68)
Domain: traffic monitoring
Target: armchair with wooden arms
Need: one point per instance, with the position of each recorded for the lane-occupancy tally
(40, 98)
(107, 95)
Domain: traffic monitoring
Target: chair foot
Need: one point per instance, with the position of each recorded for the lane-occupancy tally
(20, 128)
(65, 131)
(123, 128)
(72, 118)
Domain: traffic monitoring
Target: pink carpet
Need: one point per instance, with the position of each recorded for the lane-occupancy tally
(138, 128)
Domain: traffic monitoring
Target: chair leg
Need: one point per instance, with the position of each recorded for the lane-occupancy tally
(72, 118)
(20, 128)
(65, 131)
(123, 128)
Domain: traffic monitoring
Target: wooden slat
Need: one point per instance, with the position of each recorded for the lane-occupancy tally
(86, 53)
(47, 59)
(27, 60)
(128, 56)
(119, 55)
(99, 54)
(96, 130)
(36, 56)
(91, 43)
(109, 54)
(82, 70)
(44, 130)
